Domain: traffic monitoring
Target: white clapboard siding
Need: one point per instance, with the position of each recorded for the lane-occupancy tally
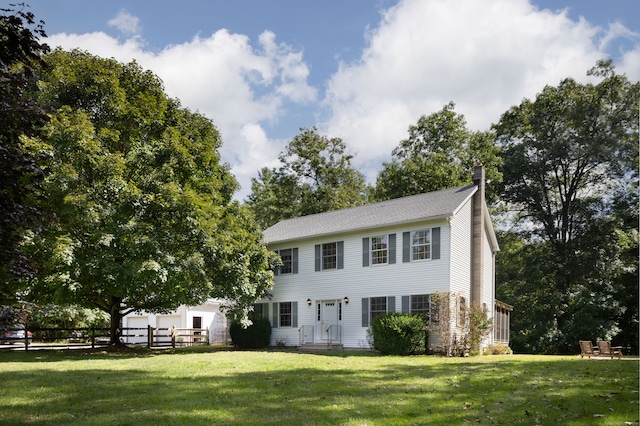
(461, 251)
(356, 281)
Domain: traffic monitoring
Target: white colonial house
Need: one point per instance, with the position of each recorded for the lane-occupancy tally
(342, 268)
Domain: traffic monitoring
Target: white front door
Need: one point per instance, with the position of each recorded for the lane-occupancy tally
(328, 318)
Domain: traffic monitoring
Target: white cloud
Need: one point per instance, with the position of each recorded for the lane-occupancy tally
(127, 23)
(630, 64)
(484, 55)
(226, 79)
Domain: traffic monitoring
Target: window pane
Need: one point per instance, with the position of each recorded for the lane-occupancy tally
(421, 245)
(421, 304)
(258, 310)
(287, 261)
(379, 249)
(285, 314)
(329, 256)
(378, 306)
(197, 322)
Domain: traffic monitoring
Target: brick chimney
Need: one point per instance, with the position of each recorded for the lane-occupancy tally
(478, 236)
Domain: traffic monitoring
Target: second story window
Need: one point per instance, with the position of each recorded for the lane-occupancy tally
(379, 249)
(421, 244)
(289, 259)
(329, 256)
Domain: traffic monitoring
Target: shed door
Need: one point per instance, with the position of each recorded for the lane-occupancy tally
(137, 330)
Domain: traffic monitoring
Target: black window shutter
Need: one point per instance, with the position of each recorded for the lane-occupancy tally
(392, 248)
(435, 243)
(340, 254)
(294, 260)
(365, 312)
(406, 304)
(277, 270)
(391, 304)
(294, 314)
(406, 247)
(365, 252)
(318, 257)
(276, 315)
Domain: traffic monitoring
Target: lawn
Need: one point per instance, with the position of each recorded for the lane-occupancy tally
(217, 387)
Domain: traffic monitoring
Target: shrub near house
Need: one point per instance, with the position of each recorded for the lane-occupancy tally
(255, 336)
(399, 334)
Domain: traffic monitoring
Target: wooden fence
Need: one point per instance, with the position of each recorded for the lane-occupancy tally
(70, 338)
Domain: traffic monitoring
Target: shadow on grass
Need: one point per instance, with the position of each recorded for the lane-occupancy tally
(287, 388)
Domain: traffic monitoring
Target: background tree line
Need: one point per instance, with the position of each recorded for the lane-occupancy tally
(114, 196)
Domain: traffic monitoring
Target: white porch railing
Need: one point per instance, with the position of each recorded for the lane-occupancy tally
(305, 334)
(334, 334)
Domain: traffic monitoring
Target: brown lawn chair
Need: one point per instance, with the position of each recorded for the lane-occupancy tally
(605, 349)
(587, 349)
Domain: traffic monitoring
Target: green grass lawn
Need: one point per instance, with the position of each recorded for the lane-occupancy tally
(213, 387)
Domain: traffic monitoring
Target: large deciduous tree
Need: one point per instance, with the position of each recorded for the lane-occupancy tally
(144, 211)
(439, 153)
(570, 161)
(21, 54)
(315, 176)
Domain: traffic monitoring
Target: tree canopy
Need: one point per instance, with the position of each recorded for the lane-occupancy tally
(439, 153)
(21, 54)
(143, 205)
(315, 176)
(570, 161)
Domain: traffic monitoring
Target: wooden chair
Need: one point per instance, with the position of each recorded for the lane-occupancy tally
(587, 349)
(605, 349)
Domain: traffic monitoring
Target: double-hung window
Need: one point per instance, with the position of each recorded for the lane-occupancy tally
(329, 256)
(287, 261)
(421, 244)
(260, 310)
(378, 306)
(373, 307)
(289, 258)
(421, 304)
(379, 249)
(285, 314)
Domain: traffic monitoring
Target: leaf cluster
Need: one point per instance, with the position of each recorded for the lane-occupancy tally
(21, 55)
(315, 176)
(439, 153)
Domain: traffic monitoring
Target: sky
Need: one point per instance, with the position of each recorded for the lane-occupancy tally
(359, 70)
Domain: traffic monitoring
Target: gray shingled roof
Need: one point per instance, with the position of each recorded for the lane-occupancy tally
(392, 212)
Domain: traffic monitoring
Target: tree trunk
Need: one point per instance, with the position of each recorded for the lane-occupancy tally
(116, 319)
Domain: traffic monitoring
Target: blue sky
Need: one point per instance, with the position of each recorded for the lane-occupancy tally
(361, 70)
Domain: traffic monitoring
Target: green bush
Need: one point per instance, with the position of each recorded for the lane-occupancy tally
(399, 334)
(256, 336)
(498, 349)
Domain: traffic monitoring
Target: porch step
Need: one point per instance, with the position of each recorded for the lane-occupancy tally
(320, 347)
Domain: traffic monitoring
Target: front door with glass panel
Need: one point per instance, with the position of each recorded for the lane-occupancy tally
(328, 319)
